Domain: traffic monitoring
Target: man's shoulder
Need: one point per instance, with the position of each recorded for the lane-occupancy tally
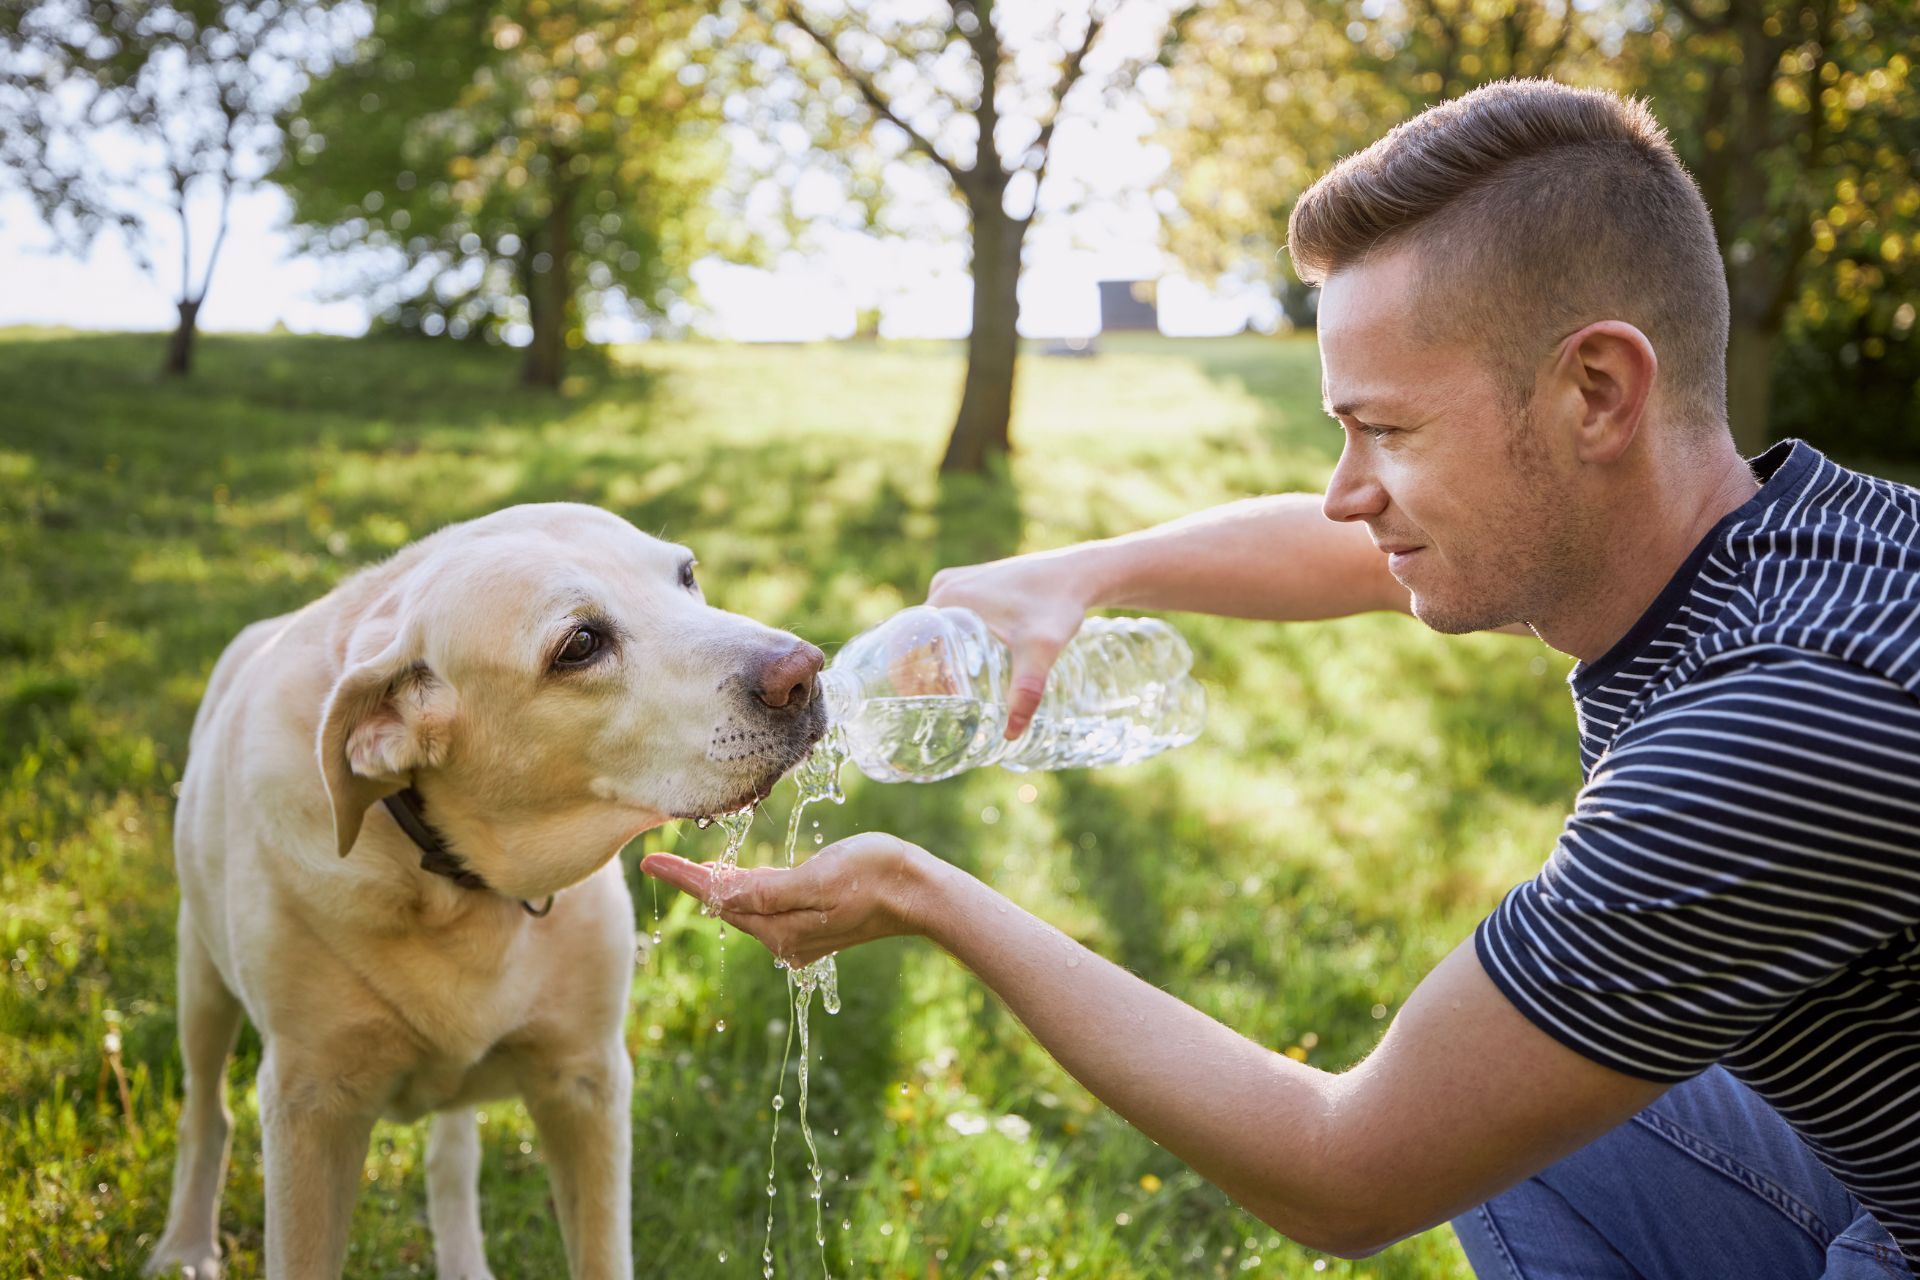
(1831, 570)
(1834, 518)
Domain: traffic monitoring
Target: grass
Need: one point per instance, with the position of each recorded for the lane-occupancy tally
(1364, 792)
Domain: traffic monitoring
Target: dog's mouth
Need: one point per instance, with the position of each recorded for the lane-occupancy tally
(776, 765)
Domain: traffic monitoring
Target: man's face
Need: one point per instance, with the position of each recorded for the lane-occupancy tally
(1464, 493)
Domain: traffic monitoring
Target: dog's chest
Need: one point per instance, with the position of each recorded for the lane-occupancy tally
(438, 1083)
(457, 1012)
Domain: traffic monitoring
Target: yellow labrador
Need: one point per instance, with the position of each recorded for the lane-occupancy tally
(396, 840)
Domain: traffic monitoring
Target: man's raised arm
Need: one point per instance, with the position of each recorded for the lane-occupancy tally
(1276, 557)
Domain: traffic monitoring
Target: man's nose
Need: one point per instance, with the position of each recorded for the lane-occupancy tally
(786, 679)
(1353, 491)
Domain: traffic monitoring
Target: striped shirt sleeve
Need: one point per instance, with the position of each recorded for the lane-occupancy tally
(1748, 838)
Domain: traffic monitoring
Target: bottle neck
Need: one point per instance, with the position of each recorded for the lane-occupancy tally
(841, 692)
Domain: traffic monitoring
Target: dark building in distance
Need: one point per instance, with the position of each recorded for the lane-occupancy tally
(1128, 305)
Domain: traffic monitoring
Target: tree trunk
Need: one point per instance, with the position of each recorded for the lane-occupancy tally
(180, 345)
(1300, 304)
(1749, 384)
(550, 292)
(980, 432)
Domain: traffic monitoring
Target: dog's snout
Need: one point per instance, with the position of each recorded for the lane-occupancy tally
(787, 678)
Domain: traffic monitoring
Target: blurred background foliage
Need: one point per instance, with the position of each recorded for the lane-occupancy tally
(525, 160)
(521, 166)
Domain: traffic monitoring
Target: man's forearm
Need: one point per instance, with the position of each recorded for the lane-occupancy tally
(1253, 1122)
(1275, 557)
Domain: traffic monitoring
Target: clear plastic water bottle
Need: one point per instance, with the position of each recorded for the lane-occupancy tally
(924, 695)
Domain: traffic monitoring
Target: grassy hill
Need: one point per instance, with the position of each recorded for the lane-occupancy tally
(1364, 792)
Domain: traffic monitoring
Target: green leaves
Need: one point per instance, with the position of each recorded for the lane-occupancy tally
(446, 137)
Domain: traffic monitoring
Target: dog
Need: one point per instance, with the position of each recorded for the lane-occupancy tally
(396, 843)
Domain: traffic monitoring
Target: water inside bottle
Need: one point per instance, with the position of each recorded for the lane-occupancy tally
(922, 697)
(900, 739)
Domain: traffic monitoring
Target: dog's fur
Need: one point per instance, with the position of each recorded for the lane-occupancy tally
(380, 989)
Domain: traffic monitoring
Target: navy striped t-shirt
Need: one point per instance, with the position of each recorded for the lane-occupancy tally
(1739, 882)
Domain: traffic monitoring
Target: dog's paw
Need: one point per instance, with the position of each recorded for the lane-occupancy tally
(194, 1262)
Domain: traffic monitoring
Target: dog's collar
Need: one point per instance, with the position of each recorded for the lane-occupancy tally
(409, 810)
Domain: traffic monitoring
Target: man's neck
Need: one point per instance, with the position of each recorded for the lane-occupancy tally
(1652, 534)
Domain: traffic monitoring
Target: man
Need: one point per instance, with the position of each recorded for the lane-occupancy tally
(1690, 1047)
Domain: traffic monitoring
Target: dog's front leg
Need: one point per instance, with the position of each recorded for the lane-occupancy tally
(315, 1134)
(582, 1106)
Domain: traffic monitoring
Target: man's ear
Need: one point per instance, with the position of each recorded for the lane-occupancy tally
(384, 718)
(1610, 367)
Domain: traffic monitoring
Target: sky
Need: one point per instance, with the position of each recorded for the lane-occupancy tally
(921, 289)
(1100, 220)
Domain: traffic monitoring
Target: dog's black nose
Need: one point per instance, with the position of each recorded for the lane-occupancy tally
(787, 678)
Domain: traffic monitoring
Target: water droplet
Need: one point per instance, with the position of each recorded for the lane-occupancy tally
(818, 839)
(846, 1224)
(779, 1101)
(1073, 961)
(723, 1255)
(721, 1025)
(903, 1090)
(656, 937)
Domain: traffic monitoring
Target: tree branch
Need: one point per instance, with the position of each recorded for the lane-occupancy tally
(985, 43)
(862, 82)
(1070, 72)
(180, 181)
(226, 203)
(1800, 237)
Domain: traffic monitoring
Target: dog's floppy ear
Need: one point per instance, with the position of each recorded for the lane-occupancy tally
(384, 718)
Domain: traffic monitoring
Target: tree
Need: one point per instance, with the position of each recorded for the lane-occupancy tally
(514, 161)
(976, 90)
(1270, 93)
(1797, 121)
(111, 112)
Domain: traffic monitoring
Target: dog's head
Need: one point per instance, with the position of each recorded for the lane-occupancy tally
(552, 682)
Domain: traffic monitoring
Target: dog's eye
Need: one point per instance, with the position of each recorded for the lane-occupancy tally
(579, 648)
(686, 576)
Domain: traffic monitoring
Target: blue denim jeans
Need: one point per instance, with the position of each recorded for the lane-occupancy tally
(1707, 1182)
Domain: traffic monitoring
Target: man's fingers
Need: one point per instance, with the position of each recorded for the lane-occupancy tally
(797, 937)
(688, 877)
(751, 890)
(1031, 663)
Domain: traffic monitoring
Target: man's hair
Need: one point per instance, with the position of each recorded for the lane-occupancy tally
(1533, 209)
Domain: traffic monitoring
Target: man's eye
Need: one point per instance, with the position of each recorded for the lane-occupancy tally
(579, 648)
(686, 576)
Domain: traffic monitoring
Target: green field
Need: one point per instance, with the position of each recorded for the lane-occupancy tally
(1364, 792)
